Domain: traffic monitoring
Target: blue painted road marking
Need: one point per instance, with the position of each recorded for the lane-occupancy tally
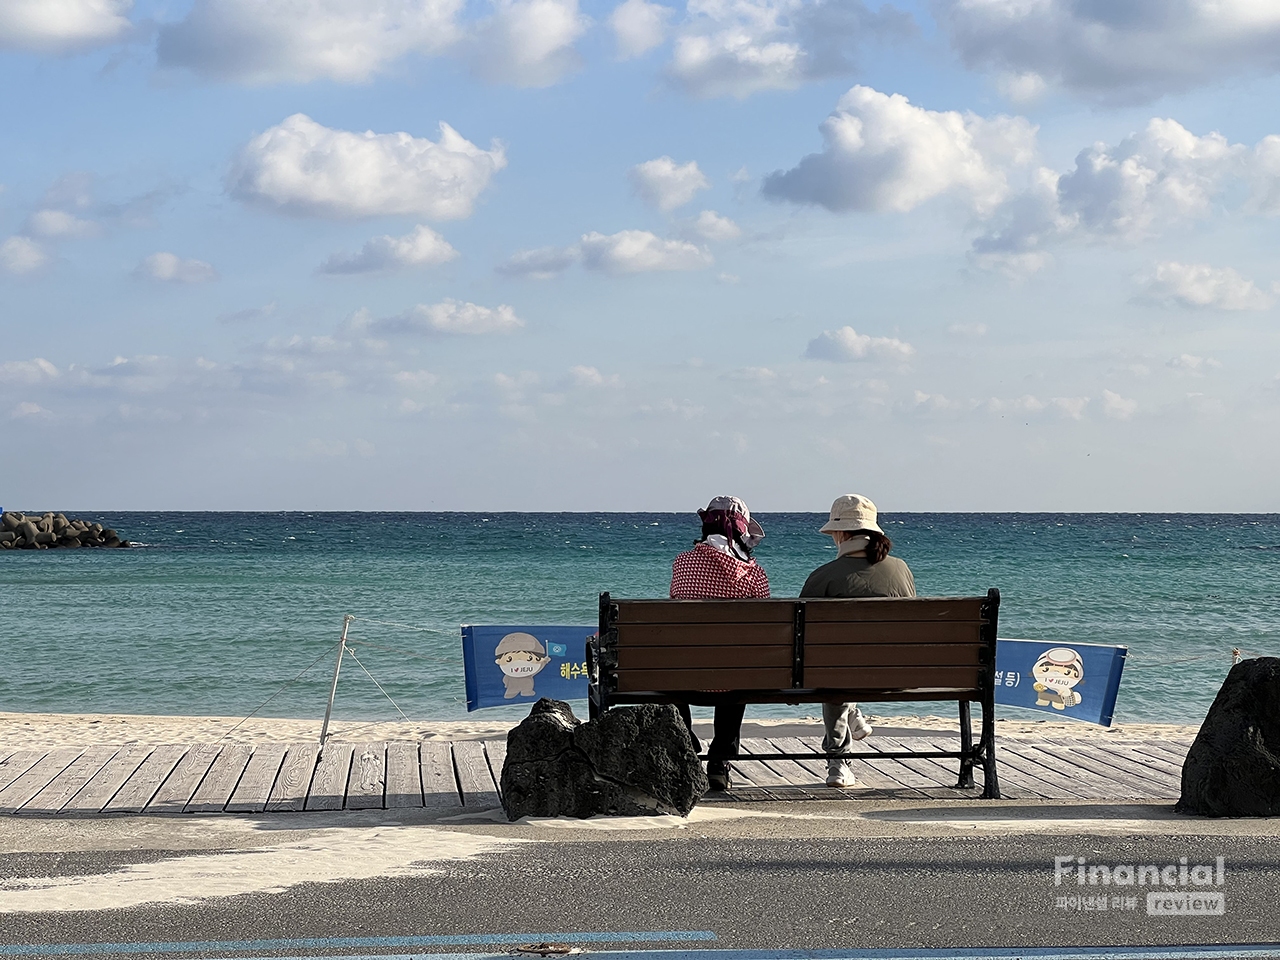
(1239, 952)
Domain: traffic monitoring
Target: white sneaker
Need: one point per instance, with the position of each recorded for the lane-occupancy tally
(839, 775)
(859, 729)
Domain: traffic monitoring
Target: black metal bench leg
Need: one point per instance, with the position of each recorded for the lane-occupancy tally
(966, 747)
(990, 779)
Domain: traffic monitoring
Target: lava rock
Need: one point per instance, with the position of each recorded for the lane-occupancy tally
(618, 764)
(1233, 767)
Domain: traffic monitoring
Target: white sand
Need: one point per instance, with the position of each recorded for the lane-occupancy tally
(35, 730)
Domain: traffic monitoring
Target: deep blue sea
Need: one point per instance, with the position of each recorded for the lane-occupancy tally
(212, 612)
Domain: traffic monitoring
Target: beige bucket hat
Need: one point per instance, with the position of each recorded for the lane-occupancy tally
(852, 512)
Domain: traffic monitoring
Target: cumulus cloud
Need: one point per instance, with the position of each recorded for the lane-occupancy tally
(639, 26)
(735, 48)
(301, 167)
(542, 263)
(582, 376)
(60, 225)
(528, 43)
(846, 345)
(171, 268)
(38, 370)
(27, 409)
(1201, 285)
(22, 255)
(1117, 407)
(423, 247)
(294, 41)
(62, 26)
(639, 251)
(711, 227)
(1072, 407)
(882, 153)
(1151, 180)
(1189, 363)
(452, 317)
(664, 184)
(1116, 51)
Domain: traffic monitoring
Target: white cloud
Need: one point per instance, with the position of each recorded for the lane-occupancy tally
(60, 224)
(639, 26)
(639, 251)
(846, 344)
(967, 329)
(27, 372)
(528, 43)
(1191, 364)
(591, 377)
(1131, 51)
(453, 317)
(171, 268)
(1021, 87)
(304, 168)
(1072, 407)
(62, 26)
(1200, 285)
(294, 41)
(542, 263)
(22, 255)
(1163, 176)
(423, 247)
(735, 48)
(1117, 407)
(711, 227)
(27, 409)
(884, 153)
(664, 184)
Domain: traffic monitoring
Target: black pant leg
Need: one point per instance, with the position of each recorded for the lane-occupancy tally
(728, 726)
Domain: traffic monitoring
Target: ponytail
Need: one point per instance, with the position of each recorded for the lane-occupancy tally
(878, 548)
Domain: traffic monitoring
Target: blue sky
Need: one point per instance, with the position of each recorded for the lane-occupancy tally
(959, 255)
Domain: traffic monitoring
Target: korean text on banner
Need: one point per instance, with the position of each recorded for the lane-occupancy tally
(520, 664)
(1078, 681)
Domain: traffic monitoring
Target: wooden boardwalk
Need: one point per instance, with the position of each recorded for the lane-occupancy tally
(465, 775)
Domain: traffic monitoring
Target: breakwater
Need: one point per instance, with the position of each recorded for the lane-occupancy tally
(47, 530)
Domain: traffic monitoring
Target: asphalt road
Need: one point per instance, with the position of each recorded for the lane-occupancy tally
(750, 889)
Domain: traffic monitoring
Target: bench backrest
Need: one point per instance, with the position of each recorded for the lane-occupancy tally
(939, 643)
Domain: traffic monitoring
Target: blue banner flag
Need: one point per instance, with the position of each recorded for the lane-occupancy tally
(1078, 681)
(509, 665)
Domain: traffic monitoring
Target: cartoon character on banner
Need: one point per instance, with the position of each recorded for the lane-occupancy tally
(1056, 672)
(520, 656)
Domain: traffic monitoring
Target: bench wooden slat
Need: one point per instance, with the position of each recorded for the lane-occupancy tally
(892, 655)
(661, 658)
(733, 678)
(705, 611)
(871, 609)
(891, 678)
(856, 633)
(705, 634)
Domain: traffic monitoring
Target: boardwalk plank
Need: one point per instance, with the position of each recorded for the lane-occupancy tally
(221, 779)
(18, 763)
(145, 782)
(404, 775)
(70, 781)
(869, 777)
(329, 784)
(1065, 785)
(37, 777)
(1173, 752)
(104, 785)
(1128, 783)
(496, 751)
(254, 789)
(1166, 775)
(289, 793)
(367, 784)
(1157, 761)
(794, 781)
(474, 778)
(440, 790)
(1096, 785)
(935, 778)
(179, 786)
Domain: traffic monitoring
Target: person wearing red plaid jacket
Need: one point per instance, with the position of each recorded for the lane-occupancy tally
(720, 567)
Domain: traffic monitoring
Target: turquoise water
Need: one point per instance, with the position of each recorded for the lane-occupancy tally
(213, 612)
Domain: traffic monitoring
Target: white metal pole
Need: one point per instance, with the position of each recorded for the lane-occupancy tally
(342, 649)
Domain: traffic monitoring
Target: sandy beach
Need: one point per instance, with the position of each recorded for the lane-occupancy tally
(23, 730)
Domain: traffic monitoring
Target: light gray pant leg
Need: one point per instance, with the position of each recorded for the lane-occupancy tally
(836, 718)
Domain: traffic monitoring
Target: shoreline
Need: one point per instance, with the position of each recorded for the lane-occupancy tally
(36, 730)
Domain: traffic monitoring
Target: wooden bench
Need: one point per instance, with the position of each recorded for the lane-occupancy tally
(709, 652)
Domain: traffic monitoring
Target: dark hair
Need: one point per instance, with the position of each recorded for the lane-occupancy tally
(878, 548)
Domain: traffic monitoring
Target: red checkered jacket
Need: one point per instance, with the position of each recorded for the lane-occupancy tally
(705, 573)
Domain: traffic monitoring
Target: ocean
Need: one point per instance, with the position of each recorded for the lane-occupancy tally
(213, 613)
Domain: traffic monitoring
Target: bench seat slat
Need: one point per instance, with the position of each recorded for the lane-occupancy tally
(734, 678)
(852, 633)
(893, 655)
(706, 611)
(949, 609)
(697, 657)
(887, 678)
(704, 634)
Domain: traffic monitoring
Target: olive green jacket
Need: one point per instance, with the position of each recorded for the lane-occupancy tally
(855, 577)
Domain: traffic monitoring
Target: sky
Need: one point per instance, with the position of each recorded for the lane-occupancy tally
(989, 255)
